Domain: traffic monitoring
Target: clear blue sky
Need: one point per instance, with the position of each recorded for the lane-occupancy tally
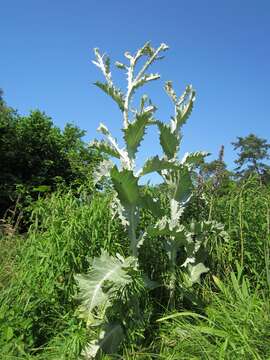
(221, 47)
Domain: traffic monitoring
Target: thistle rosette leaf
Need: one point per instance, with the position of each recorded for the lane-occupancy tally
(105, 270)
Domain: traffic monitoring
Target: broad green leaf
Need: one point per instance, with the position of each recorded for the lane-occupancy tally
(105, 269)
(135, 132)
(169, 140)
(126, 185)
(105, 147)
(113, 92)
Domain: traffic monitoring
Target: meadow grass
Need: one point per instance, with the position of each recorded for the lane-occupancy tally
(38, 316)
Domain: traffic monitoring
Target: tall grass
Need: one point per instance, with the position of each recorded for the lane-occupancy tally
(236, 325)
(38, 318)
(37, 308)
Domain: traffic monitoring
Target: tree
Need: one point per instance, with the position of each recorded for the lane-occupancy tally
(252, 156)
(35, 155)
(215, 172)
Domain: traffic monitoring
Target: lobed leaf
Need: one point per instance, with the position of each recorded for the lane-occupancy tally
(169, 140)
(113, 92)
(135, 132)
(105, 147)
(155, 164)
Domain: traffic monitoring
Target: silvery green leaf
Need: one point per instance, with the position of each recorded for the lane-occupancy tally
(126, 186)
(113, 92)
(122, 154)
(195, 158)
(118, 209)
(104, 269)
(155, 164)
(103, 129)
(103, 63)
(135, 132)
(169, 140)
(183, 108)
(103, 170)
(105, 147)
(176, 212)
(195, 272)
(109, 340)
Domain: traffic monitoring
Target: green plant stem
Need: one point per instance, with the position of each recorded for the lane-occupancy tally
(132, 233)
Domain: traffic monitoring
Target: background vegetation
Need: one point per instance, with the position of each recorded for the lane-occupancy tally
(53, 219)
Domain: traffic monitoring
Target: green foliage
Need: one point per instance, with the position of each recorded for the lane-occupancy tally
(38, 308)
(235, 325)
(244, 210)
(252, 156)
(36, 156)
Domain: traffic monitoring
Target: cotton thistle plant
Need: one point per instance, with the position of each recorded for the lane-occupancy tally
(109, 276)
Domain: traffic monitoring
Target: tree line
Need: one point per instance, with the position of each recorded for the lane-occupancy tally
(36, 157)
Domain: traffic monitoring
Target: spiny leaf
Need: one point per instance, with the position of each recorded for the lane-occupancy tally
(156, 164)
(113, 92)
(126, 185)
(105, 147)
(195, 158)
(183, 108)
(104, 268)
(135, 132)
(169, 141)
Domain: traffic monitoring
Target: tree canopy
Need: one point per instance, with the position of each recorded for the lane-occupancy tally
(252, 156)
(37, 155)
